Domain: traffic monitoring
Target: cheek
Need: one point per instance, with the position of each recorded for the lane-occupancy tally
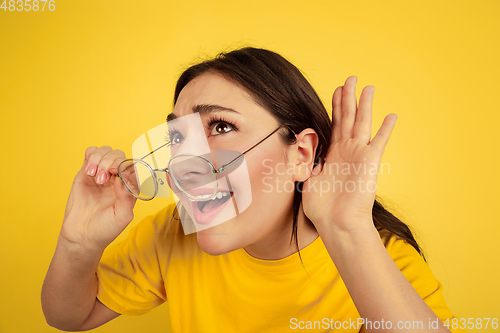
(269, 175)
(268, 202)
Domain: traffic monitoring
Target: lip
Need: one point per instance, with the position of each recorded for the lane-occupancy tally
(205, 218)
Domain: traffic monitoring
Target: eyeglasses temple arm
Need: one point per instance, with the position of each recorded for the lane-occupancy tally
(154, 151)
(223, 167)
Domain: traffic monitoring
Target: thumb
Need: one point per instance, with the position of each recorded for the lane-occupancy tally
(125, 201)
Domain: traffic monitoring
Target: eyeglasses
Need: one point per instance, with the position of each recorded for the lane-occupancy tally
(190, 173)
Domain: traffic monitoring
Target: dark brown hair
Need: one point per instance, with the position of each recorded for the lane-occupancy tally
(280, 88)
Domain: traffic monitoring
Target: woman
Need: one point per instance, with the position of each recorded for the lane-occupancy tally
(358, 267)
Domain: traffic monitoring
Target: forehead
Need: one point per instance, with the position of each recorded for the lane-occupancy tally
(214, 89)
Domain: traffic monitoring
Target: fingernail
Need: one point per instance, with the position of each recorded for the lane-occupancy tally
(91, 169)
(101, 177)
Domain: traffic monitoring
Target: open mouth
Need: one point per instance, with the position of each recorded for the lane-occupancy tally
(206, 211)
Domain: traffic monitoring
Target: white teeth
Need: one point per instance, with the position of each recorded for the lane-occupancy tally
(205, 196)
(219, 195)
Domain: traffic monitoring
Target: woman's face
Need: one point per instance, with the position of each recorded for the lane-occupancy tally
(269, 213)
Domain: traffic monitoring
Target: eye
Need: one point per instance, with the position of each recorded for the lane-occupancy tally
(174, 138)
(220, 128)
(217, 125)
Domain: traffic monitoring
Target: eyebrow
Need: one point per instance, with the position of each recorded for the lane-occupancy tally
(204, 109)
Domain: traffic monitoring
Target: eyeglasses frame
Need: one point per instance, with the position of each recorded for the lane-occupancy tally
(214, 170)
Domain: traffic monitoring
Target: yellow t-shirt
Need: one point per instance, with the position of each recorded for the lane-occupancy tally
(236, 292)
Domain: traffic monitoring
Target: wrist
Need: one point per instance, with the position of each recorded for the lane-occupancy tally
(353, 227)
(356, 235)
(76, 250)
(349, 247)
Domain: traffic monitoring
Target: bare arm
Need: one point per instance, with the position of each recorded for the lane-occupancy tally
(69, 291)
(100, 315)
(99, 208)
(376, 285)
(343, 214)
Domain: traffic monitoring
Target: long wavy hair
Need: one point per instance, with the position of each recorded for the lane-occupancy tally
(280, 88)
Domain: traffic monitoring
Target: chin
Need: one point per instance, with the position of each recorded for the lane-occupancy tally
(214, 243)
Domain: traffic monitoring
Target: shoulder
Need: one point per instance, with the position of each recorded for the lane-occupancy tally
(146, 232)
(418, 273)
(158, 235)
(397, 246)
(166, 230)
(164, 223)
(408, 260)
(412, 265)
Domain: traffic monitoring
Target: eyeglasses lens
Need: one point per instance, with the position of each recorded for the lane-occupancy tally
(138, 178)
(194, 176)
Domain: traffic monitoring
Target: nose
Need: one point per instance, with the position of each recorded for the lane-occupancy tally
(191, 172)
(189, 168)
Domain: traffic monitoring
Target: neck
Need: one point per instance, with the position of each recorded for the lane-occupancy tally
(276, 245)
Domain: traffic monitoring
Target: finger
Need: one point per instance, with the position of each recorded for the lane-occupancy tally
(363, 124)
(89, 151)
(384, 132)
(109, 160)
(124, 203)
(336, 115)
(113, 169)
(86, 164)
(94, 158)
(348, 107)
(169, 180)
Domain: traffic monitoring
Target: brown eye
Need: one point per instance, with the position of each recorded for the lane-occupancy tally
(174, 138)
(220, 128)
(177, 139)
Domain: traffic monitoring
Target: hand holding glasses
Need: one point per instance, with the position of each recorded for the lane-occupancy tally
(97, 197)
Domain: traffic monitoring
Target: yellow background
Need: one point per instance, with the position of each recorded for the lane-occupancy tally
(103, 72)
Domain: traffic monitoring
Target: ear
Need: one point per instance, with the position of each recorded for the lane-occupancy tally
(303, 154)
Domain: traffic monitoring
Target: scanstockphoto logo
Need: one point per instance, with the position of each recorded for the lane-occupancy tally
(175, 159)
(337, 177)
